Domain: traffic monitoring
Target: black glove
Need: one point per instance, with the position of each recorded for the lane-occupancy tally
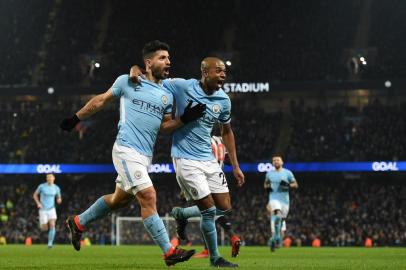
(284, 186)
(69, 123)
(192, 113)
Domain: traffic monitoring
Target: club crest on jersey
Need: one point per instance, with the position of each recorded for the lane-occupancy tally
(193, 191)
(164, 99)
(138, 174)
(215, 108)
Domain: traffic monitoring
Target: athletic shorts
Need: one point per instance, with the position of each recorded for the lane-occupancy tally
(46, 215)
(198, 179)
(132, 169)
(281, 206)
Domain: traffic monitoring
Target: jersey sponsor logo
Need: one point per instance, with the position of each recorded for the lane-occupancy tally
(164, 99)
(384, 166)
(216, 108)
(49, 168)
(146, 106)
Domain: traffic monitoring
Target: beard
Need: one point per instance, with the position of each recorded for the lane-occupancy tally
(158, 73)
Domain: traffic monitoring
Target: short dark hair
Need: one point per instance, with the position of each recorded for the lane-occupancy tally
(153, 46)
(277, 155)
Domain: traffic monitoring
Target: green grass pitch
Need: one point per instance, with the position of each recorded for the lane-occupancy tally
(148, 257)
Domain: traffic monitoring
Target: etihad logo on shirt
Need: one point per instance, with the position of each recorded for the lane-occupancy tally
(146, 106)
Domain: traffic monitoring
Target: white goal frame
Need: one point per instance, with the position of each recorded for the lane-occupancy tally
(115, 230)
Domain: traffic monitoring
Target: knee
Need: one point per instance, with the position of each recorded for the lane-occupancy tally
(209, 213)
(44, 227)
(223, 212)
(148, 198)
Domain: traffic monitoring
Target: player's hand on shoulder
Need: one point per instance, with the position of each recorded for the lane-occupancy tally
(135, 73)
(192, 113)
(239, 176)
(68, 124)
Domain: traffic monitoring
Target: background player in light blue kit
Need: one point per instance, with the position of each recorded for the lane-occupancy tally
(277, 183)
(44, 196)
(145, 108)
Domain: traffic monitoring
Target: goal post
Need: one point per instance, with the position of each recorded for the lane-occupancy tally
(131, 231)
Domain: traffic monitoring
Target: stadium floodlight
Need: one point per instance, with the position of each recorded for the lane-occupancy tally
(362, 59)
(97, 65)
(51, 90)
(228, 63)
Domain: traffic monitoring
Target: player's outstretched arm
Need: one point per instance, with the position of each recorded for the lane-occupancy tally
(92, 106)
(190, 114)
(227, 135)
(168, 124)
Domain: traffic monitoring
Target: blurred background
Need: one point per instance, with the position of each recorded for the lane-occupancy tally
(317, 81)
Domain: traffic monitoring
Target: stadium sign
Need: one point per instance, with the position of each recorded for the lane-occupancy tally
(366, 166)
(265, 167)
(49, 168)
(384, 166)
(160, 168)
(246, 87)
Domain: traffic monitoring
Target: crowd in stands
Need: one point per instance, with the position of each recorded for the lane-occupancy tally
(339, 212)
(343, 133)
(30, 133)
(41, 140)
(265, 42)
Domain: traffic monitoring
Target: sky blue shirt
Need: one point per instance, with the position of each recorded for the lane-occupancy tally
(193, 141)
(142, 108)
(275, 178)
(47, 195)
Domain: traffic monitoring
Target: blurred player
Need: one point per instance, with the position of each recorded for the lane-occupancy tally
(277, 183)
(145, 108)
(197, 171)
(220, 154)
(46, 204)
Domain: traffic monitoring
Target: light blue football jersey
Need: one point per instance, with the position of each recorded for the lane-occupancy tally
(142, 107)
(275, 177)
(47, 195)
(193, 141)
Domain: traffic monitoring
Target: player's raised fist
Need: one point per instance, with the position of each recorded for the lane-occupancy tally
(136, 72)
(69, 123)
(192, 113)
